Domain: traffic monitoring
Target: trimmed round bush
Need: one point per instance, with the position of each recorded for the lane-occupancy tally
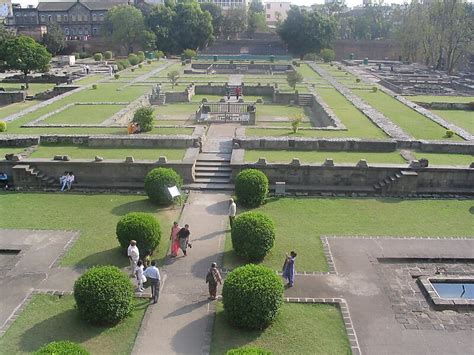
(252, 296)
(107, 55)
(156, 183)
(63, 347)
(94, 86)
(144, 117)
(375, 89)
(117, 76)
(449, 133)
(253, 235)
(141, 56)
(251, 187)
(97, 57)
(140, 226)
(104, 295)
(133, 59)
(247, 350)
(3, 126)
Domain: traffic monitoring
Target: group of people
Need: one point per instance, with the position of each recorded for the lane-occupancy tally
(134, 128)
(146, 270)
(179, 239)
(237, 90)
(66, 180)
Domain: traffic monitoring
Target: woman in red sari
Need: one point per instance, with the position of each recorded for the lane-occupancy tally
(174, 239)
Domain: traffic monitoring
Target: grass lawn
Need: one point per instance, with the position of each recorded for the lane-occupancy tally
(409, 120)
(84, 114)
(462, 119)
(446, 159)
(94, 216)
(286, 111)
(11, 150)
(299, 329)
(427, 98)
(34, 88)
(181, 109)
(309, 74)
(356, 122)
(81, 152)
(16, 107)
(286, 156)
(300, 221)
(97, 130)
(281, 132)
(90, 79)
(51, 318)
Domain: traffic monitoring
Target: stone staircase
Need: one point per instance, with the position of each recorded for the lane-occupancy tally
(27, 176)
(392, 183)
(212, 171)
(305, 99)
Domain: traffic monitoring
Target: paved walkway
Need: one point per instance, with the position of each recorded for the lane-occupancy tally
(181, 322)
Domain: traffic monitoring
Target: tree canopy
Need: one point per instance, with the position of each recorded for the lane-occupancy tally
(235, 22)
(307, 31)
(216, 14)
(180, 26)
(125, 24)
(24, 54)
(54, 40)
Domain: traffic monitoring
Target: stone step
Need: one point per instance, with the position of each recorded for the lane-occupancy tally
(214, 157)
(210, 164)
(216, 168)
(217, 174)
(210, 180)
(219, 187)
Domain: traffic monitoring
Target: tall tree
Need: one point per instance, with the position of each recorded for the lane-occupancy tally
(440, 32)
(180, 26)
(54, 40)
(26, 55)
(235, 22)
(307, 31)
(256, 22)
(216, 14)
(125, 24)
(256, 6)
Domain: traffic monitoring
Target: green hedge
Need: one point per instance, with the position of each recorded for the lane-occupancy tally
(157, 182)
(247, 350)
(140, 226)
(63, 347)
(251, 187)
(253, 235)
(104, 295)
(252, 296)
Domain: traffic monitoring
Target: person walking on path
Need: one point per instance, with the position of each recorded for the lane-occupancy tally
(237, 92)
(213, 278)
(133, 255)
(153, 274)
(139, 273)
(174, 239)
(232, 211)
(183, 236)
(289, 269)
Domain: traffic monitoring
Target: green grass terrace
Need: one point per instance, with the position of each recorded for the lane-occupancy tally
(50, 318)
(301, 221)
(298, 329)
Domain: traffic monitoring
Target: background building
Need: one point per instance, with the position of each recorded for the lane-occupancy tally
(276, 11)
(5, 9)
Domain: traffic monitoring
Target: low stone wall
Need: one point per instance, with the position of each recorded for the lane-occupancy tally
(184, 96)
(284, 98)
(18, 141)
(324, 113)
(56, 91)
(363, 177)
(336, 144)
(446, 106)
(10, 97)
(350, 144)
(44, 78)
(218, 90)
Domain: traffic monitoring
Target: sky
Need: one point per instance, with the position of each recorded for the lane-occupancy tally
(349, 3)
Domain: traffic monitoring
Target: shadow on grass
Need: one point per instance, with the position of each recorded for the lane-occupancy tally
(135, 206)
(66, 325)
(114, 256)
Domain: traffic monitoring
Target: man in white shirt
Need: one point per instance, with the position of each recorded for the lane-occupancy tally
(133, 255)
(153, 275)
(232, 211)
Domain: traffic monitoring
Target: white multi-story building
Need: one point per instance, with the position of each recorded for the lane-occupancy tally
(5, 9)
(227, 4)
(276, 11)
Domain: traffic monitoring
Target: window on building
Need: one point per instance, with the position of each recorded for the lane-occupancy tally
(79, 17)
(73, 18)
(86, 32)
(268, 6)
(94, 17)
(86, 18)
(50, 18)
(268, 15)
(281, 5)
(80, 31)
(65, 18)
(42, 18)
(66, 31)
(94, 30)
(58, 18)
(101, 17)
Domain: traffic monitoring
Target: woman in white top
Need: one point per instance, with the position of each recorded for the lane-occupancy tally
(140, 277)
